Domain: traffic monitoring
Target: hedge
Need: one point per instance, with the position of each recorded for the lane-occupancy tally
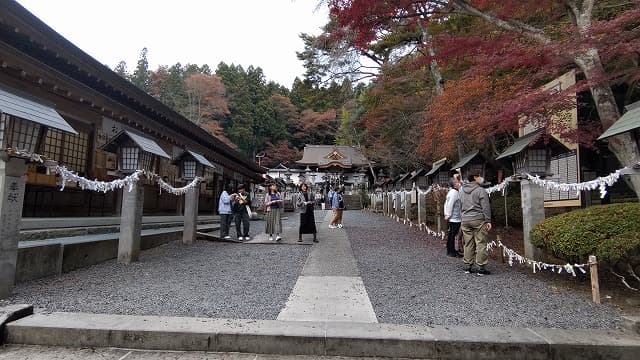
(607, 231)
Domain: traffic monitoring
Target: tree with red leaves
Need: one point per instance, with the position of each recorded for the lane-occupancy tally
(501, 43)
(207, 97)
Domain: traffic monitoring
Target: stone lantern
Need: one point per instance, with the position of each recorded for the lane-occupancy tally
(191, 165)
(134, 152)
(529, 156)
(23, 127)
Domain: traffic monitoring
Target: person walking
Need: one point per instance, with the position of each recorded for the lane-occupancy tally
(273, 207)
(224, 210)
(337, 205)
(306, 203)
(453, 216)
(476, 224)
(240, 201)
(330, 198)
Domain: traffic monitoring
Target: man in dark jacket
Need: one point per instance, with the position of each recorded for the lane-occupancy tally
(240, 201)
(476, 223)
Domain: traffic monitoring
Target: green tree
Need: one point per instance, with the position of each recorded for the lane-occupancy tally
(140, 76)
(121, 69)
(252, 121)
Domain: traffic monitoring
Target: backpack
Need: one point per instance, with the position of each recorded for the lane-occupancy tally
(340, 202)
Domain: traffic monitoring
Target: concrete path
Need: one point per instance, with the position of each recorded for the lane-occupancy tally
(330, 288)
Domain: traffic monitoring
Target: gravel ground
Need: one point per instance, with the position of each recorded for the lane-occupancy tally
(207, 279)
(410, 280)
(407, 275)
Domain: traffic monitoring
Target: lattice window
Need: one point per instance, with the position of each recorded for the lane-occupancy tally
(129, 158)
(147, 161)
(18, 133)
(537, 160)
(67, 149)
(443, 178)
(564, 168)
(189, 169)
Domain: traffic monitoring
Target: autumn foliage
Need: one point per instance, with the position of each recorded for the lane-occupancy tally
(495, 56)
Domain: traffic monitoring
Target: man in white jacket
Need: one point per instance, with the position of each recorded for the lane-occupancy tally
(453, 215)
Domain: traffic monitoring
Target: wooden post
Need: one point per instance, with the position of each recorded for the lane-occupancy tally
(595, 286)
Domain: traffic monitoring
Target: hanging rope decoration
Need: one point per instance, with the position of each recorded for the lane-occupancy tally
(127, 182)
(536, 265)
(95, 185)
(103, 186)
(600, 183)
(499, 187)
(177, 191)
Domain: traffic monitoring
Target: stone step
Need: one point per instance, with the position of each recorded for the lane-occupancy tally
(46, 257)
(318, 338)
(41, 234)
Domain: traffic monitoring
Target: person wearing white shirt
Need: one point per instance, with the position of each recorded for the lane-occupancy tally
(453, 216)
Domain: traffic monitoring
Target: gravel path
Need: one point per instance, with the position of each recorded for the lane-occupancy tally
(207, 279)
(410, 280)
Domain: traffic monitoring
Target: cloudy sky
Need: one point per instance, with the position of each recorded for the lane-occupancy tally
(262, 33)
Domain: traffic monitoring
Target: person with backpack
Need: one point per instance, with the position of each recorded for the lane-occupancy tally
(337, 205)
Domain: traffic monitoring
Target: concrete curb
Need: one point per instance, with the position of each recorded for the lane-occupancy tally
(319, 338)
(11, 313)
(631, 323)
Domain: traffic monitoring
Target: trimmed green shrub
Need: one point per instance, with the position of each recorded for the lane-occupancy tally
(621, 247)
(604, 230)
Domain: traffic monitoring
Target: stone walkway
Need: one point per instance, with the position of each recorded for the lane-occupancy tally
(330, 287)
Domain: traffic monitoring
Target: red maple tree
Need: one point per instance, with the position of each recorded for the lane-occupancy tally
(517, 44)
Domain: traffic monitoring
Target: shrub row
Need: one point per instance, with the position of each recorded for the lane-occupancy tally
(611, 232)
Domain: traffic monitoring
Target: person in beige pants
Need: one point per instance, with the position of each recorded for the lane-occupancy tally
(476, 224)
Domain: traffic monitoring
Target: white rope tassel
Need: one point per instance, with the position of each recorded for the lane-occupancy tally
(535, 265)
(104, 186)
(600, 183)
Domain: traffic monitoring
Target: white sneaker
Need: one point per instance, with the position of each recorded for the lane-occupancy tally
(278, 238)
(227, 237)
(339, 226)
(332, 227)
(246, 238)
(270, 238)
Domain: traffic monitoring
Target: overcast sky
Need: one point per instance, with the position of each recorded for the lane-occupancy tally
(262, 33)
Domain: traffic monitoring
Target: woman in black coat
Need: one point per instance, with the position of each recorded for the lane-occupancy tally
(307, 220)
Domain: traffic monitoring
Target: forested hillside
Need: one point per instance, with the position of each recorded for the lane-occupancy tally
(245, 111)
(442, 78)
